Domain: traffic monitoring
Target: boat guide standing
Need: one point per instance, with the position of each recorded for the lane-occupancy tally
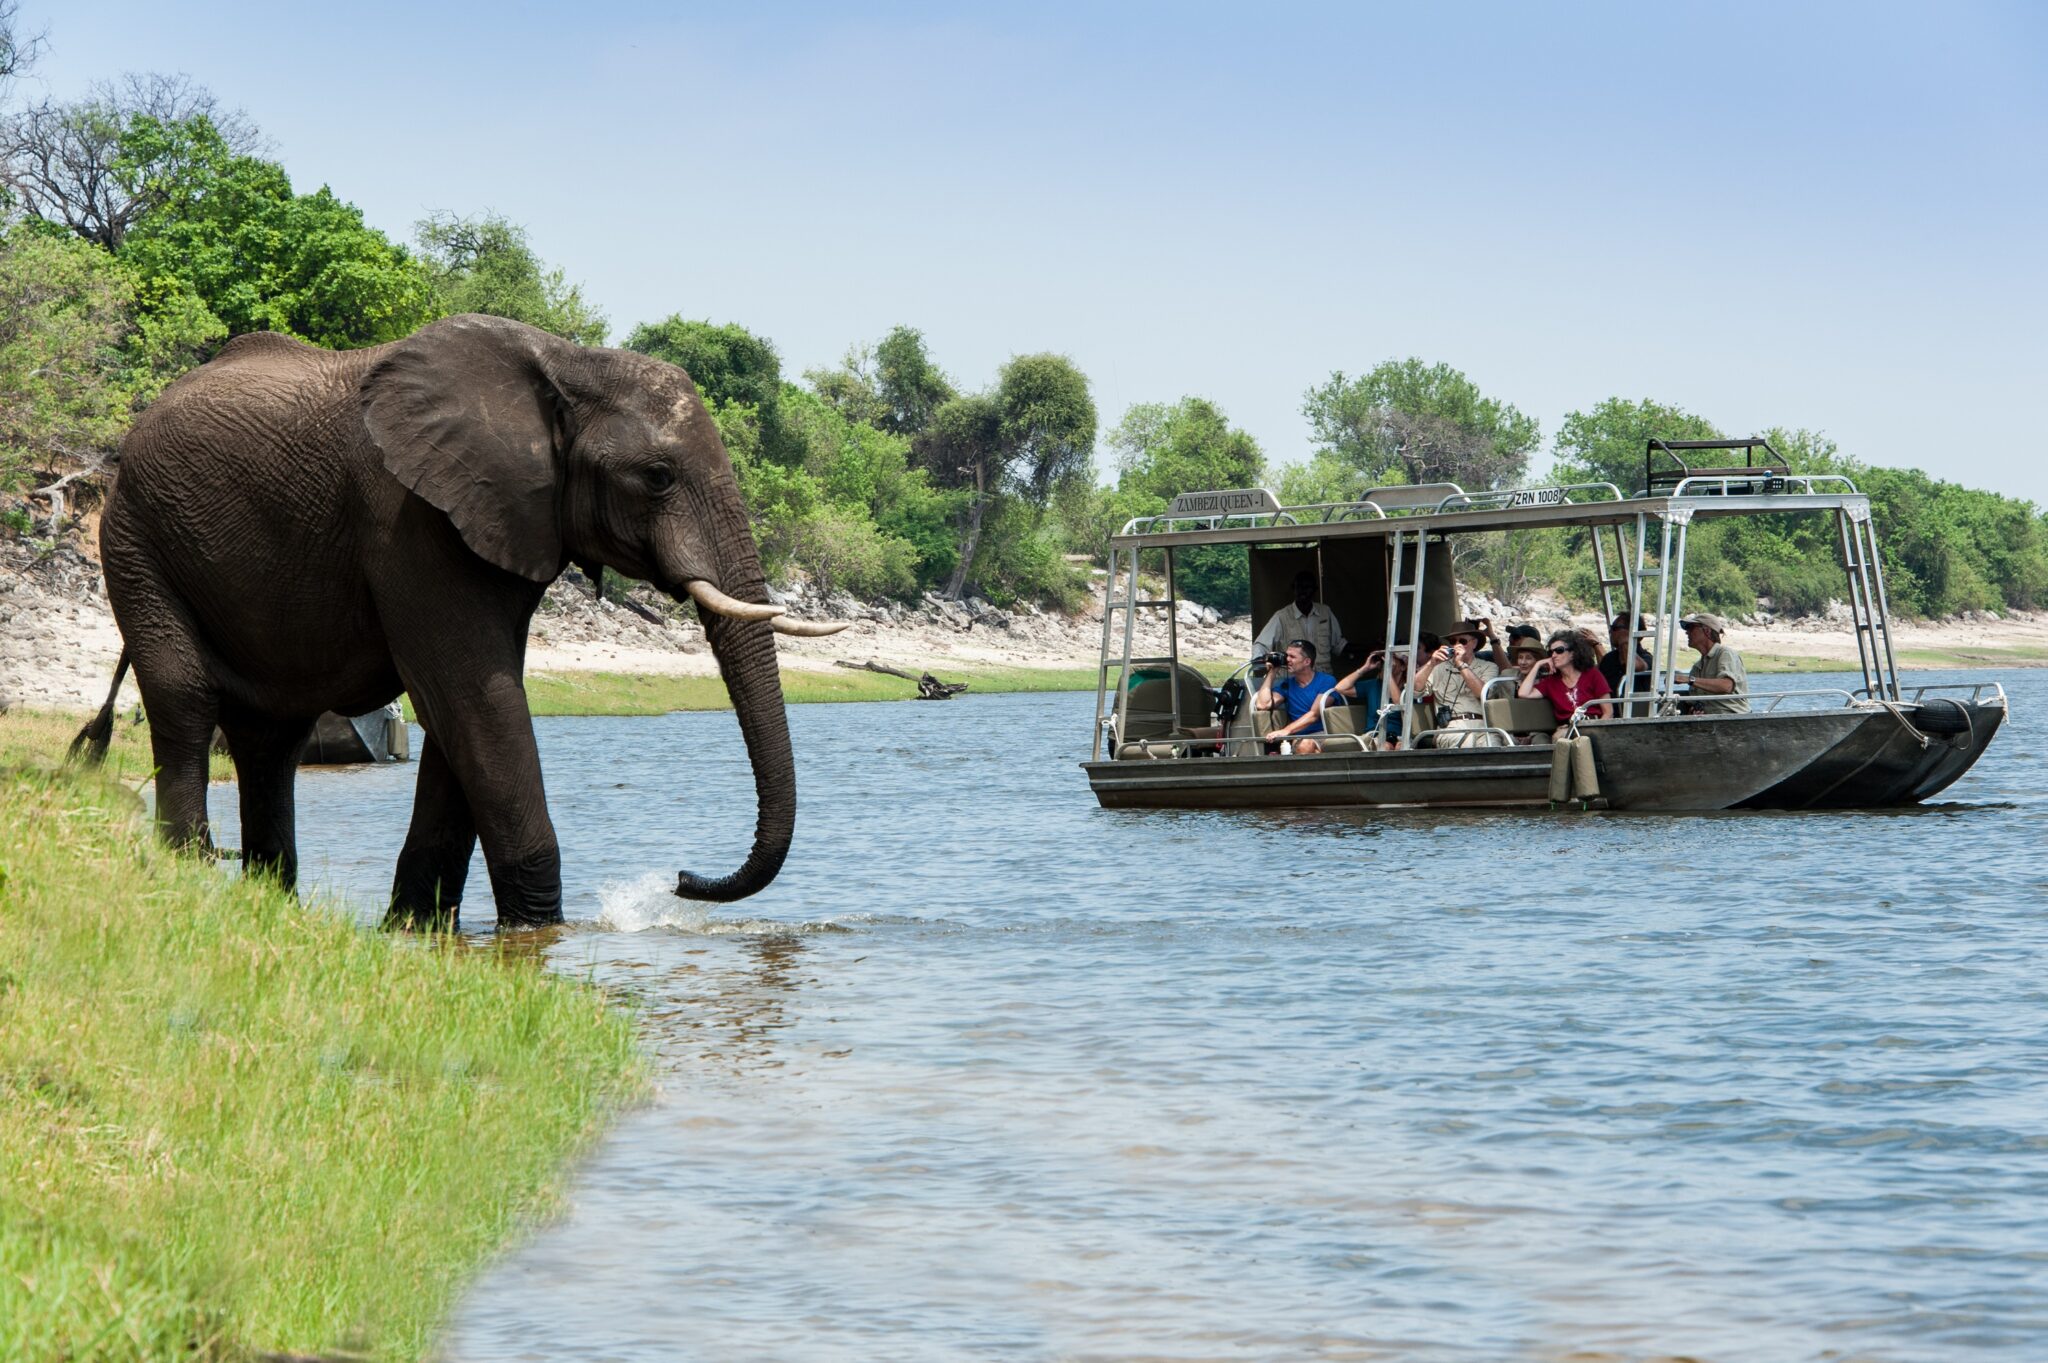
(1304, 618)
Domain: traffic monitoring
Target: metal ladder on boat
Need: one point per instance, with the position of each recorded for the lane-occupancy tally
(1123, 569)
(1402, 542)
(1869, 611)
(1619, 575)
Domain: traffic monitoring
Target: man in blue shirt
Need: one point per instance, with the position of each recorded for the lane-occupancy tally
(1296, 696)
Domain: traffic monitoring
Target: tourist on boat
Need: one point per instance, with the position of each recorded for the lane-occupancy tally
(1719, 672)
(1304, 618)
(1296, 696)
(1524, 654)
(1366, 685)
(1518, 635)
(1568, 678)
(1453, 679)
(1612, 664)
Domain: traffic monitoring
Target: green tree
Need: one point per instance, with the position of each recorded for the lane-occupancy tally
(893, 385)
(911, 388)
(228, 229)
(486, 265)
(867, 473)
(1033, 432)
(853, 389)
(1606, 444)
(76, 357)
(1163, 450)
(75, 164)
(1409, 422)
(731, 366)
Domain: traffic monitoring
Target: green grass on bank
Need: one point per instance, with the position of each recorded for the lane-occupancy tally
(45, 734)
(614, 693)
(232, 1124)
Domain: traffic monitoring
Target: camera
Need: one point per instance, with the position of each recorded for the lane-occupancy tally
(1270, 660)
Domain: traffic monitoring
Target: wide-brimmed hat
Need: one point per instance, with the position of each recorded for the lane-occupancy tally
(1472, 627)
(1707, 618)
(1535, 646)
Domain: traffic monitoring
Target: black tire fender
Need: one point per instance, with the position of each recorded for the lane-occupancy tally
(1941, 717)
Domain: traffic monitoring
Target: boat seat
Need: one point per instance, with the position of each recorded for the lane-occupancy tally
(1149, 712)
(1520, 715)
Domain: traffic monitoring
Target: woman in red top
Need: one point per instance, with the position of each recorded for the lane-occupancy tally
(1568, 680)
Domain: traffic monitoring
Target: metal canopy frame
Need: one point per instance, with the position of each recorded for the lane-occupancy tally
(1620, 530)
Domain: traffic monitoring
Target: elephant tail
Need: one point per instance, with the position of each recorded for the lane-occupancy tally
(93, 739)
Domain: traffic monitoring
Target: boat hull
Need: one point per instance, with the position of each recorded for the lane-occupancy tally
(1852, 758)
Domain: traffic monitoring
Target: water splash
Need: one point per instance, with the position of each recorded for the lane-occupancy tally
(650, 902)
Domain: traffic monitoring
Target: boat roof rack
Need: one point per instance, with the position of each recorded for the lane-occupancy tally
(1255, 515)
(1664, 479)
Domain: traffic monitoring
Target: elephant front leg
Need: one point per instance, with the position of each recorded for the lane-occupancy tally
(487, 739)
(426, 892)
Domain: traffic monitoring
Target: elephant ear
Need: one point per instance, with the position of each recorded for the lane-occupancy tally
(466, 415)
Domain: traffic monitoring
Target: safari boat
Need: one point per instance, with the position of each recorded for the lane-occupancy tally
(1164, 737)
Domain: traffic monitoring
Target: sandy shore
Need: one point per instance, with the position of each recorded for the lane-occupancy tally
(58, 643)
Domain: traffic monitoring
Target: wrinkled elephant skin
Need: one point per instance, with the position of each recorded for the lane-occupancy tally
(294, 530)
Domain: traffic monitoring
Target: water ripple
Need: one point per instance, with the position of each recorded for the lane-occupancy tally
(993, 1073)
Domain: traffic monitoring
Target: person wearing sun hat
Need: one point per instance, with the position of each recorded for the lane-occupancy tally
(1524, 654)
(1453, 679)
(1719, 675)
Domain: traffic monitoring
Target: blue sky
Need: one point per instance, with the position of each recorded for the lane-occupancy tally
(1828, 216)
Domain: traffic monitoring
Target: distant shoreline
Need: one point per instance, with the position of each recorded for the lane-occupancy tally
(597, 692)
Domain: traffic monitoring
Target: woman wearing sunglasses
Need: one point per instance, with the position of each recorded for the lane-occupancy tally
(1568, 678)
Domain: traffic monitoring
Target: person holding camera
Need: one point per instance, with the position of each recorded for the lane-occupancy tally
(1567, 679)
(1370, 683)
(1296, 690)
(1454, 679)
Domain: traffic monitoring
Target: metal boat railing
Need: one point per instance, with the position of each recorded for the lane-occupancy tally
(1507, 498)
(1644, 581)
(1852, 700)
(1977, 690)
(1768, 484)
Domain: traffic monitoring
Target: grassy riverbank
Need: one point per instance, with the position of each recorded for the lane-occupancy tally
(618, 693)
(231, 1124)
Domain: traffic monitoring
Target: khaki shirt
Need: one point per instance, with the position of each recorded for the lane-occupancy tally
(1721, 661)
(1446, 686)
(1319, 627)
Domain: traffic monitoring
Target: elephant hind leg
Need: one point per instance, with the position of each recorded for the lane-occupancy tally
(183, 705)
(266, 753)
(434, 867)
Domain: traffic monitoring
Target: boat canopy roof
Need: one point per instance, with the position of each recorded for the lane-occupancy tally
(1256, 516)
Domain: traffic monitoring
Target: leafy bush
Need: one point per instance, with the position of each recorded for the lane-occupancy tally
(1019, 559)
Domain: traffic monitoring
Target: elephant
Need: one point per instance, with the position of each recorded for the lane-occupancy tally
(292, 530)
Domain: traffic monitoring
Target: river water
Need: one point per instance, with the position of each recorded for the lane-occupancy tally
(993, 1073)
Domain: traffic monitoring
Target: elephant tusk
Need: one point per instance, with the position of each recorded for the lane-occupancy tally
(710, 598)
(809, 629)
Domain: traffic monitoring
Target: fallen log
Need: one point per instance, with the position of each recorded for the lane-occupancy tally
(928, 686)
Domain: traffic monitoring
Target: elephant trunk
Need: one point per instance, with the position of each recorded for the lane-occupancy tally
(745, 650)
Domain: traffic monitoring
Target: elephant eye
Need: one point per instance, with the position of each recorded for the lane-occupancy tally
(660, 477)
